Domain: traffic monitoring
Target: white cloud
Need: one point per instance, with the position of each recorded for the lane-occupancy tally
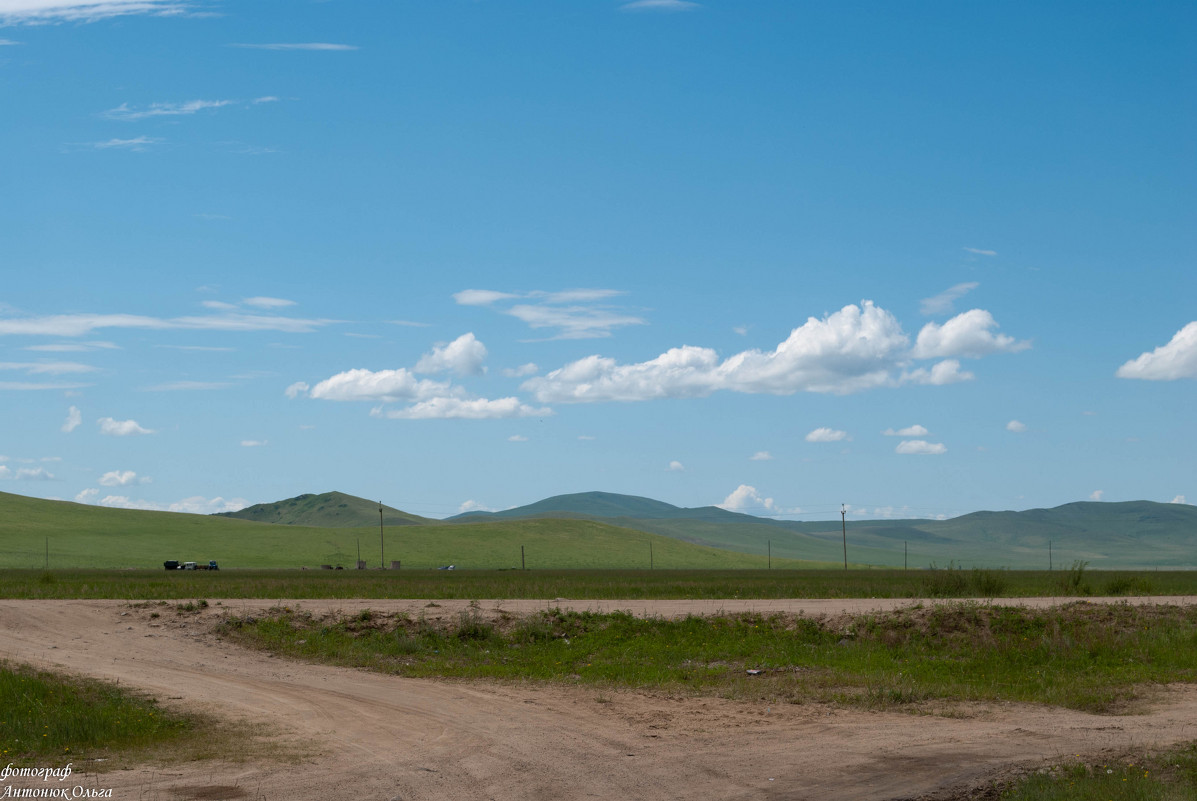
(48, 368)
(572, 321)
(1016, 426)
(522, 371)
(29, 386)
(915, 430)
(77, 325)
(187, 386)
(660, 5)
(137, 144)
(941, 373)
(676, 467)
(86, 495)
(1097, 495)
(825, 434)
(853, 349)
(381, 386)
(73, 420)
(1177, 359)
(253, 443)
(969, 334)
(585, 437)
(1178, 499)
(463, 356)
(480, 297)
(73, 347)
(297, 389)
(517, 438)
(326, 46)
(979, 252)
(121, 428)
(761, 456)
(268, 303)
(919, 447)
(944, 301)
(35, 12)
(124, 112)
(122, 478)
(8, 43)
(744, 498)
(452, 408)
(219, 305)
(26, 474)
(473, 506)
(742, 330)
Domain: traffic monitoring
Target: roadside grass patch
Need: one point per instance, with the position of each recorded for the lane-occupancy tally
(1098, 658)
(1168, 776)
(46, 714)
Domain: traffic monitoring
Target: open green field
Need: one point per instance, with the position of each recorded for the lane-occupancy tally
(587, 584)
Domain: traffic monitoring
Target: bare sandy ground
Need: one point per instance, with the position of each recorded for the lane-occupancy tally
(386, 738)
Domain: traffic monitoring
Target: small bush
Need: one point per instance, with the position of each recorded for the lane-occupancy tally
(989, 583)
(946, 582)
(1073, 580)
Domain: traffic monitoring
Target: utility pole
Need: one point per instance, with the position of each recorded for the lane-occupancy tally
(382, 554)
(905, 564)
(844, 528)
(1049, 556)
(650, 556)
(770, 554)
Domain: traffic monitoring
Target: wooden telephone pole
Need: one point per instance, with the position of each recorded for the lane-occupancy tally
(844, 529)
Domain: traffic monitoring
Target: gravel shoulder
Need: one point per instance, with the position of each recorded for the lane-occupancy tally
(383, 737)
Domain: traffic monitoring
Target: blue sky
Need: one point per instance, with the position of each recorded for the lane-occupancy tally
(921, 259)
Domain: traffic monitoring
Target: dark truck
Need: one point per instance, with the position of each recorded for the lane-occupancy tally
(171, 564)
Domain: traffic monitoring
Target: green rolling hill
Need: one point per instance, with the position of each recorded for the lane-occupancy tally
(77, 535)
(327, 510)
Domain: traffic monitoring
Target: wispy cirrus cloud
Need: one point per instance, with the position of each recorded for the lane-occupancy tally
(660, 5)
(77, 325)
(184, 109)
(138, 144)
(980, 252)
(574, 313)
(48, 368)
(943, 303)
(41, 12)
(324, 46)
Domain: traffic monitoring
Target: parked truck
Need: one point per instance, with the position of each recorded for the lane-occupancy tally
(172, 564)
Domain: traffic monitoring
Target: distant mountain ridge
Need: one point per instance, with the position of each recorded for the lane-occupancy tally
(327, 510)
(610, 505)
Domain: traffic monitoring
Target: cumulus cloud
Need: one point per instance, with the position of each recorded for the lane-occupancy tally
(919, 447)
(1097, 495)
(522, 371)
(377, 386)
(73, 420)
(463, 356)
(36, 12)
(853, 349)
(761, 456)
(196, 504)
(473, 506)
(122, 478)
(941, 373)
(1177, 359)
(1178, 499)
(454, 408)
(744, 498)
(969, 334)
(297, 389)
(915, 430)
(87, 495)
(1016, 426)
(944, 301)
(676, 467)
(825, 434)
(121, 428)
(26, 474)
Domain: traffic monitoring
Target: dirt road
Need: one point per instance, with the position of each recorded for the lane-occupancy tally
(385, 738)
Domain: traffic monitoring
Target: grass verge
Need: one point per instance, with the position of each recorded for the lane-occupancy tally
(1092, 657)
(947, 582)
(46, 715)
(1169, 776)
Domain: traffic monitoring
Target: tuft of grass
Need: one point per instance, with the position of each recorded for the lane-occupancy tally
(1072, 582)
(1081, 656)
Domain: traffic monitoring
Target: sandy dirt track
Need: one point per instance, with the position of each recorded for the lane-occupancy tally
(382, 737)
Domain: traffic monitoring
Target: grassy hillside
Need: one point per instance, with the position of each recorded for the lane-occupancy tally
(609, 505)
(90, 536)
(326, 510)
